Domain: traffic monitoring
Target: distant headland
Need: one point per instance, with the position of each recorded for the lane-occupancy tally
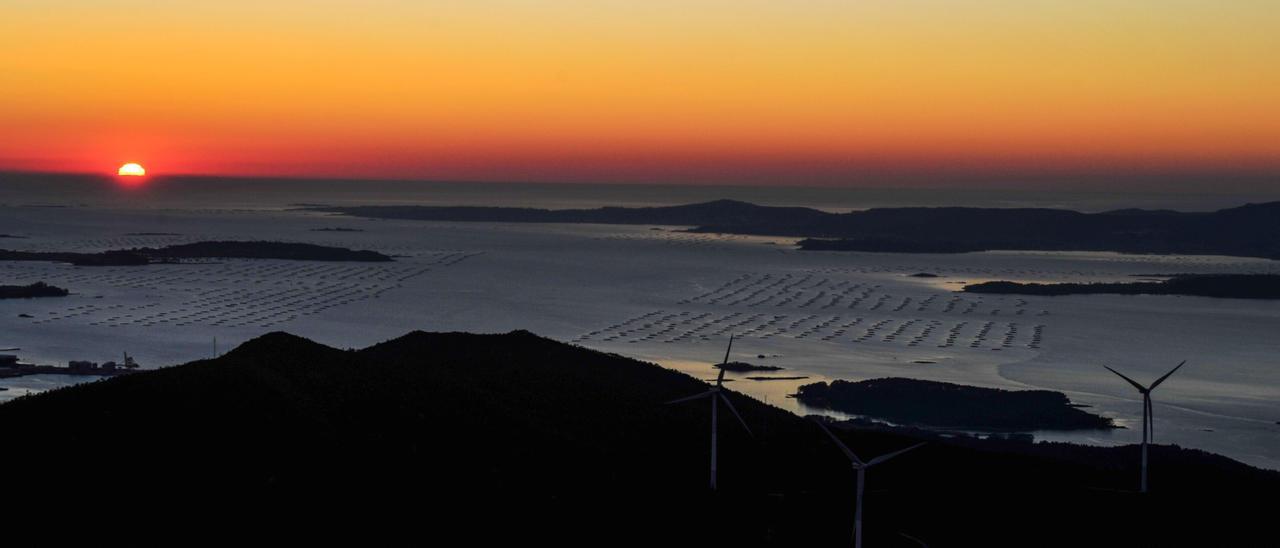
(1251, 230)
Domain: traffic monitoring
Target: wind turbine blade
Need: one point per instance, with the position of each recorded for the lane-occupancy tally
(726, 351)
(847, 452)
(1151, 421)
(1166, 375)
(691, 398)
(883, 458)
(914, 539)
(720, 378)
(735, 414)
(1131, 381)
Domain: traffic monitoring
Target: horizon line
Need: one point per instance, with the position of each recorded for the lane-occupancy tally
(1083, 187)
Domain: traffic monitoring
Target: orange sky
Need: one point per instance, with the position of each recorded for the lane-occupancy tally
(806, 91)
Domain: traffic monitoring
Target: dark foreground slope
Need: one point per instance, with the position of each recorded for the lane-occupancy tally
(516, 438)
(1251, 230)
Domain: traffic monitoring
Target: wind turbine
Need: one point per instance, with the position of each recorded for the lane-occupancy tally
(1148, 420)
(861, 468)
(716, 396)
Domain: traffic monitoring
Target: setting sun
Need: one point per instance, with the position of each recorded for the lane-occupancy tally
(131, 170)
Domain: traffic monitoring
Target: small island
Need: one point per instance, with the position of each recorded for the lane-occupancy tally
(744, 367)
(952, 406)
(1233, 286)
(201, 250)
(337, 229)
(35, 290)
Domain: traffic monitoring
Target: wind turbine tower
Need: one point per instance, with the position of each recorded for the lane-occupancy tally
(1148, 420)
(860, 468)
(716, 395)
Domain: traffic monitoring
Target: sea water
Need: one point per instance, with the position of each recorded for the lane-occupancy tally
(650, 292)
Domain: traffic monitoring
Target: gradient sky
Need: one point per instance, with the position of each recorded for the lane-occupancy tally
(920, 92)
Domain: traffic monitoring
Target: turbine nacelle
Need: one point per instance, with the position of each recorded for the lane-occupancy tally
(859, 464)
(860, 469)
(1148, 412)
(717, 396)
(1145, 390)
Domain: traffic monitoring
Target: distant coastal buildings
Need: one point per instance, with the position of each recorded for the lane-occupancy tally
(11, 366)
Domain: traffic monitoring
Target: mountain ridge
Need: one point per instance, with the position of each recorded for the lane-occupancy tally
(561, 442)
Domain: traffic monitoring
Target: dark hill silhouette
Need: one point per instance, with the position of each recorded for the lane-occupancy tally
(517, 438)
(1251, 230)
(719, 212)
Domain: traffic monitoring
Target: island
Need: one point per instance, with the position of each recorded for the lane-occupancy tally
(952, 406)
(1251, 230)
(201, 250)
(744, 367)
(35, 290)
(1232, 286)
(337, 229)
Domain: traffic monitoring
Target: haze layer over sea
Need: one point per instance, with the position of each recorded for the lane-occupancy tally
(655, 293)
(257, 193)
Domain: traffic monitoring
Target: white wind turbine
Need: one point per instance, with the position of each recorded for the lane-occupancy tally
(1148, 420)
(716, 396)
(861, 468)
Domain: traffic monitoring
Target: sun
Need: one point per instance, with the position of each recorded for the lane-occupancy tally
(131, 170)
